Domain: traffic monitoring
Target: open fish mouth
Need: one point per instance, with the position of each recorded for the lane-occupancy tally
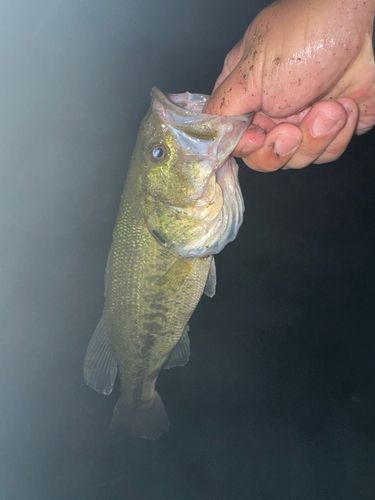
(211, 136)
(205, 226)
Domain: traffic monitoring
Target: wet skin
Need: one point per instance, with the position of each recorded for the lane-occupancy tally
(307, 69)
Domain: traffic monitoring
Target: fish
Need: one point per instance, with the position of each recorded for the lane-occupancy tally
(180, 206)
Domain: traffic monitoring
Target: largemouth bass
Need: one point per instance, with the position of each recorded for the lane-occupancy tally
(181, 205)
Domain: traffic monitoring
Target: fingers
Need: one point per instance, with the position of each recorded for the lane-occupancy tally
(336, 148)
(319, 128)
(252, 139)
(279, 146)
(321, 137)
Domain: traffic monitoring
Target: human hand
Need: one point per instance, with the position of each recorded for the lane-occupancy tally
(306, 68)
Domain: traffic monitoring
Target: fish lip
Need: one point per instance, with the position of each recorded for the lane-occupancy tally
(188, 104)
(182, 114)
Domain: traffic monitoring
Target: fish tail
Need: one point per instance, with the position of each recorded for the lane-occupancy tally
(148, 421)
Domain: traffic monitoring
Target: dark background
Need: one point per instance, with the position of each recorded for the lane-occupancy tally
(278, 399)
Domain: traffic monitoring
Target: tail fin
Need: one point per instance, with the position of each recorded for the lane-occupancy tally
(149, 421)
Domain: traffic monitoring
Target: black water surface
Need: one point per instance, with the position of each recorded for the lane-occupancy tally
(278, 399)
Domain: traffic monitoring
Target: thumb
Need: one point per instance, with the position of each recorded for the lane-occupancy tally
(236, 95)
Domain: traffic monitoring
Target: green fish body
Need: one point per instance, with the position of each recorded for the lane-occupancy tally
(181, 205)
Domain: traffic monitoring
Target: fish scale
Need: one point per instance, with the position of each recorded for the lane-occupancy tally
(131, 337)
(161, 257)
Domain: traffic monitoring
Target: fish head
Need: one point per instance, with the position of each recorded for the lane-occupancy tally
(183, 148)
(182, 152)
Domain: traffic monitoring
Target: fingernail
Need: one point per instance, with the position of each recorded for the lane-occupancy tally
(286, 144)
(323, 124)
(255, 138)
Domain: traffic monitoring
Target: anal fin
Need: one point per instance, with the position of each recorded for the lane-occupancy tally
(180, 354)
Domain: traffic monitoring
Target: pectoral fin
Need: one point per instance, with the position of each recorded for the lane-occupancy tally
(99, 367)
(174, 278)
(180, 354)
(210, 288)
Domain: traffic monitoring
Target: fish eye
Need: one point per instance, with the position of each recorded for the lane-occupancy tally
(158, 152)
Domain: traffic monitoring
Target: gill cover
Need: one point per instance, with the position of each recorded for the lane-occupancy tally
(192, 199)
